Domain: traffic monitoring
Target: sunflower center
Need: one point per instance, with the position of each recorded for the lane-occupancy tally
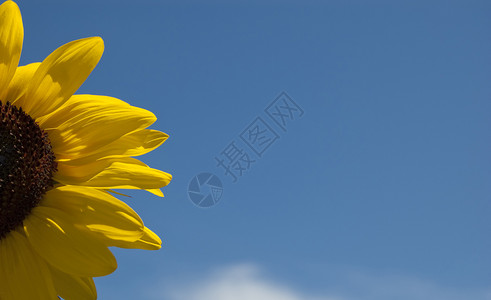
(27, 165)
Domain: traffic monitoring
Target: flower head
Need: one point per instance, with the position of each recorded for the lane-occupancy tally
(60, 157)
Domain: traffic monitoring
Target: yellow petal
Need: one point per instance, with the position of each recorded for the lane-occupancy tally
(88, 122)
(18, 85)
(97, 211)
(11, 37)
(121, 173)
(65, 247)
(149, 241)
(156, 192)
(60, 75)
(136, 143)
(23, 273)
(73, 287)
(133, 144)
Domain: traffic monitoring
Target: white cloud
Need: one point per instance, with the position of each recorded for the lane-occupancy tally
(239, 282)
(248, 282)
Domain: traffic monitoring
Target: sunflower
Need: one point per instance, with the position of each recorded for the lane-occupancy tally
(61, 156)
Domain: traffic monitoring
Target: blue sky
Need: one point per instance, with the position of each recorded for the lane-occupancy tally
(379, 191)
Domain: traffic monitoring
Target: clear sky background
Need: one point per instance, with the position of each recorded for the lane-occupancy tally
(381, 190)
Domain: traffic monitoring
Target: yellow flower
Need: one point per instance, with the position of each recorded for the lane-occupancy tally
(60, 156)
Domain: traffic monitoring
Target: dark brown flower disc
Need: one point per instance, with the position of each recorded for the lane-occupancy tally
(27, 165)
